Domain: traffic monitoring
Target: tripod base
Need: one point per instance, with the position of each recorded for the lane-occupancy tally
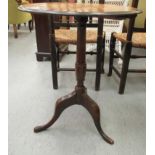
(80, 97)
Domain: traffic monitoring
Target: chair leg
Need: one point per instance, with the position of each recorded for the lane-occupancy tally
(53, 62)
(52, 47)
(125, 66)
(54, 71)
(99, 53)
(30, 23)
(19, 26)
(15, 31)
(58, 57)
(111, 56)
(98, 62)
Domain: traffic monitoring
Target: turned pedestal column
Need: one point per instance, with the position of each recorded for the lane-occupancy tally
(79, 95)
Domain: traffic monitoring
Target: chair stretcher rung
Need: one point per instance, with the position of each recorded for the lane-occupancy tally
(118, 54)
(116, 71)
(73, 69)
(71, 52)
(137, 70)
(137, 56)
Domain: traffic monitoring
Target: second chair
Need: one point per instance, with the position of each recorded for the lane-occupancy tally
(129, 40)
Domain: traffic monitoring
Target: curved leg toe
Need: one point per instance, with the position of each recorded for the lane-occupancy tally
(94, 110)
(39, 129)
(61, 105)
(102, 133)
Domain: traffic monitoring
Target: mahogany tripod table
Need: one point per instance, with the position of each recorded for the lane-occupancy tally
(81, 12)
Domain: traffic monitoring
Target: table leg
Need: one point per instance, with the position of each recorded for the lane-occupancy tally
(79, 95)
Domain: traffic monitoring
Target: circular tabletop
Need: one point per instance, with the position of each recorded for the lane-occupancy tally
(79, 9)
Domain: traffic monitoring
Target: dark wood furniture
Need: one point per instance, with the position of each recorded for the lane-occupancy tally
(65, 35)
(135, 37)
(80, 12)
(42, 38)
(42, 32)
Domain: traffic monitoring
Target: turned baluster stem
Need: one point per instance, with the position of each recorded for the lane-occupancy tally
(81, 48)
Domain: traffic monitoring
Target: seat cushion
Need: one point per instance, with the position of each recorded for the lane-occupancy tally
(138, 39)
(70, 36)
(15, 16)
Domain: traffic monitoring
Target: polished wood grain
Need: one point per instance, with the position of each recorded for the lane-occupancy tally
(79, 95)
(76, 9)
(81, 12)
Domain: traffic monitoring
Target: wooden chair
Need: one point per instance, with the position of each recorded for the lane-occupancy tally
(110, 25)
(66, 35)
(17, 17)
(129, 40)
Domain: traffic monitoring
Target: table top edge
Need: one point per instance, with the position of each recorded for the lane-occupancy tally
(73, 13)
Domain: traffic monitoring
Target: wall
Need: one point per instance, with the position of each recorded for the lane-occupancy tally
(141, 17)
